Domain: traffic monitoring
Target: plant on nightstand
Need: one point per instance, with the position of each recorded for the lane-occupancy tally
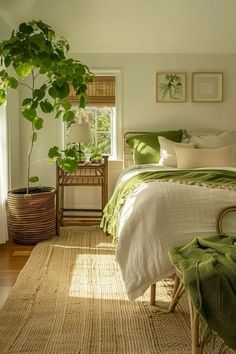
(35, 58)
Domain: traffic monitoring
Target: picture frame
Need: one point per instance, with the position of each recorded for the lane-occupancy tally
(207, 87)
(171, 87)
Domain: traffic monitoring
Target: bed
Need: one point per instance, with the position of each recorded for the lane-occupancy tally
(154, 214)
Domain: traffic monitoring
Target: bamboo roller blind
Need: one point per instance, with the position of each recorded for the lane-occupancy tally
(101, 92)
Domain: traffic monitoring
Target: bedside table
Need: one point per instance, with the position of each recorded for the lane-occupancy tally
(86, 174)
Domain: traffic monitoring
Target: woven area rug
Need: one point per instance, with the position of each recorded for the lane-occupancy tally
(70, 298)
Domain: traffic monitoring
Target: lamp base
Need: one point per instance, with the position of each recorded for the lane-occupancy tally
(81, 157)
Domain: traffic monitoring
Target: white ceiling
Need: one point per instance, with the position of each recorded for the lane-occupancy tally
(144, 26)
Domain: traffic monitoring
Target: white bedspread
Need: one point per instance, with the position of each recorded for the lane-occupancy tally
(158, 215)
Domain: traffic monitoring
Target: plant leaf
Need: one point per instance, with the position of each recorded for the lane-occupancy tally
(81, 69)
(7, 61)
(46, 106)
(38, 40)
(54, 152)
(33, 179)
(68, 164)
(68, 116)
(38, 123)
(25, 28)
(38, 94)
(58, 114)
(29, 113)
(62, 88)
(71, 152)
(13, 83)
(34, 105)
(53, 92)
(66, 105)
(26, 101)
(23, 69)
(82, 101)
(3, 96)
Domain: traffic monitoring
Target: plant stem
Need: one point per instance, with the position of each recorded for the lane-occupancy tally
(29, 157)
(20, 83)
(31, 143)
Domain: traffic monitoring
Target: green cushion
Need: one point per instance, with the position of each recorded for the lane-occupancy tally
(146, 148)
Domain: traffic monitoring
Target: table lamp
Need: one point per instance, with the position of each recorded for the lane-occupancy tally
(79, 133)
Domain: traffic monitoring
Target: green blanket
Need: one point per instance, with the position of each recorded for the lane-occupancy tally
(209, 178)
(209, 275)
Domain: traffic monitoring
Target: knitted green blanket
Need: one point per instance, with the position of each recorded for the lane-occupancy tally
(209, 178)
(209, 275)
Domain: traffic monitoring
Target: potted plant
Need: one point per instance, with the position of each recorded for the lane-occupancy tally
(34, 57)
(96, 151)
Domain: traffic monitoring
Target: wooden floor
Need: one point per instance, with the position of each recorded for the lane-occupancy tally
(12, 259)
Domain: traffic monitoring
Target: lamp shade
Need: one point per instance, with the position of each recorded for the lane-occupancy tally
(79, 133)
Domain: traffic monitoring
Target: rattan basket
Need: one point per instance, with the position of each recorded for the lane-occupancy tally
(31, 217)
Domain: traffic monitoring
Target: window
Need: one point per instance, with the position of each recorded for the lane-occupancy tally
(101, 113)
(102, 120)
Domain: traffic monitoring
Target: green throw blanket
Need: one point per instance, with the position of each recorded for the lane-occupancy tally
(209, 178)
(209, 275)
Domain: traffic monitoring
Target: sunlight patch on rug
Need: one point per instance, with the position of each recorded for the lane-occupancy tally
(90, 281)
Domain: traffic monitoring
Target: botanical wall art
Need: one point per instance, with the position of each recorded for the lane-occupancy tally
(207, 87)
(171, 87)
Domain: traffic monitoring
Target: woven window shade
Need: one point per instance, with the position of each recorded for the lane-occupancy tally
(101, 92)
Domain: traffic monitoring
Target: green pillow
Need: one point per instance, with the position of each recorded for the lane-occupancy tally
(146, 148)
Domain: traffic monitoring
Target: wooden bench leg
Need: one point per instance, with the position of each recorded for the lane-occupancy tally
(197, 346)
(177, 293)
(197, 340)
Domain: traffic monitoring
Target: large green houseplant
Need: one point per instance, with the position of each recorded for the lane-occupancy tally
(35, 58)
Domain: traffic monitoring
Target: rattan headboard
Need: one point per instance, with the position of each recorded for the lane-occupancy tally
(127, 150)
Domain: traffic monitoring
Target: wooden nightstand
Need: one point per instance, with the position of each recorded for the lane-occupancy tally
(86, 174)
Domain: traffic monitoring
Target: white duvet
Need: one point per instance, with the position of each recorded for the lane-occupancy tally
(158, 215)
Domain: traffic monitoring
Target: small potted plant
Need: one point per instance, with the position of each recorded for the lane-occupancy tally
(34, 57)
(96, 151)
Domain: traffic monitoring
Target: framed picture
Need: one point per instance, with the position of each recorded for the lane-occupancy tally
(170, 87)
(207, 87)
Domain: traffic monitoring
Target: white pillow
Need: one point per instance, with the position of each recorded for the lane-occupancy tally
(187, 134)
(214, 141)
(195, 158)
(167, 151)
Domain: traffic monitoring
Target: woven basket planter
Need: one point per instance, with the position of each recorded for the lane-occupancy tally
(31, 217)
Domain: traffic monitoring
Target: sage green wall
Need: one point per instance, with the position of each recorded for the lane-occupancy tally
(140, 110)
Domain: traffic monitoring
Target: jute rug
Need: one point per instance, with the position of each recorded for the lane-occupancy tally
(70, 298)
